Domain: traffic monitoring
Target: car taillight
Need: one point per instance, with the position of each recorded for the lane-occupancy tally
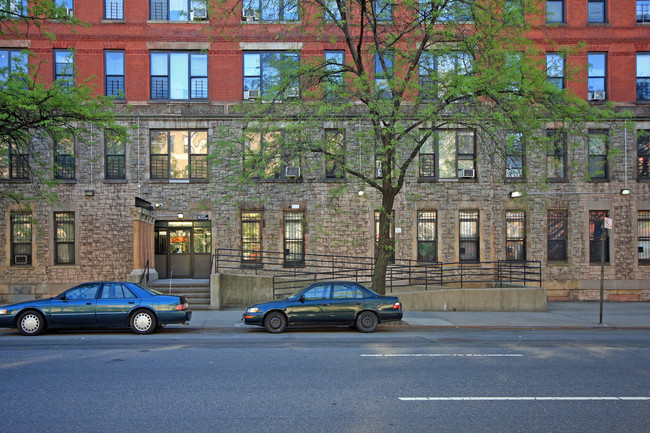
(396, 305)
(183, 305)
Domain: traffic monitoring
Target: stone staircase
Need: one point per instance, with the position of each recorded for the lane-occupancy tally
(196, 291)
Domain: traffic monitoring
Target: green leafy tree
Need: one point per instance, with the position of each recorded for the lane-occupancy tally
(34, 113)
(408, 72)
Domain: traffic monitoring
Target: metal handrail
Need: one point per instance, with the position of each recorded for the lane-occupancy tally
(145, 273)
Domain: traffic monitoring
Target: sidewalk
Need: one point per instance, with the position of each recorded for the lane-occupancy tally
(559, 315)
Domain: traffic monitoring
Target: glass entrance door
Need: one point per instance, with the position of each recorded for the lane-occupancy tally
(183, 249)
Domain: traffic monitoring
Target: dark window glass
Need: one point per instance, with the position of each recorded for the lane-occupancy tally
(596, 11)
(64, 238)
(294, 239)
(598, 150)
(427, 236)
(14, 165)
(643, 155)
(64, 159)
(115, 158)
(597, 235)
(557, 235)
(556, 155)
(21, 238)
(469, 236)
(514, 156)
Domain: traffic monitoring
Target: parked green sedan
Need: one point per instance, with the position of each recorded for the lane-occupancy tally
(327, 303)
(98, 305)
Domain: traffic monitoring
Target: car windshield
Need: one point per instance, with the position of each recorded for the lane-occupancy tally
(364, 290)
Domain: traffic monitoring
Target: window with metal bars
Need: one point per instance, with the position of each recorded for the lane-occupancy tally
(113, 9)
(179, 75)
(515, 235)
(643, 230)
(468, 247)
(251, 237)
(294, 238)
(597, 235)
(64, 159)
(179, 154)
(21, 238)
(427, 236)
(557, 235)
(115, 164)
(114, 74)
(64, 238)
(14, 165)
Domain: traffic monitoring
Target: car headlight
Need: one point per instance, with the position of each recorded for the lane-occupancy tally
(253, 310)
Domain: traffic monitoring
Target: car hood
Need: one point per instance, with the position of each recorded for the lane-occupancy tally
(268, 305)
(20, 305)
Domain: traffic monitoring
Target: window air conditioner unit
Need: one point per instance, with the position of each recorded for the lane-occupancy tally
(69, 12)
(465, 173)
(20, 259)
(292, 172)
(199, 14)
(251, 94)
(251, 14)
(292, 92)
(596, 96)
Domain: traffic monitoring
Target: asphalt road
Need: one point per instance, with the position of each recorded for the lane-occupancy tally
(394, 380)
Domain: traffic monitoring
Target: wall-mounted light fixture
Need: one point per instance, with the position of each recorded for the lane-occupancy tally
(157, 205)
(626, 191)
(361, 193)
(180, 215)
(90, 192)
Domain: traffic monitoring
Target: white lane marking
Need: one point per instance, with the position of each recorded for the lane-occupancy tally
(524, 398)
(442, 355)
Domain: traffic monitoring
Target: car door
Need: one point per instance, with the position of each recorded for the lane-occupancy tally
(76, 307)
(308, 306)
(347, 300)
(114, 304)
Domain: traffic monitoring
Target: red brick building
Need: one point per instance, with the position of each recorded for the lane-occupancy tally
(175, 80)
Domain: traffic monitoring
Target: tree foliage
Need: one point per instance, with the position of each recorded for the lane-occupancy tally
(408, 70)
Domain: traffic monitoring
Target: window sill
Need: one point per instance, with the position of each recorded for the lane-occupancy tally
(598, 180)
(278, 180)
(179, 101)
(66, 181)
(15, 180)
(177, 181)
(22, 267)
(115, 181)
(261, 21)
(117, 21)
(334, 180)
(177, 22)
(603, 24)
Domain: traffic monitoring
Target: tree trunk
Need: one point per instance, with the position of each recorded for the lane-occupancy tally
(385, 245)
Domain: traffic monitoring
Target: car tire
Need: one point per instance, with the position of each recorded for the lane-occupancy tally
(275, 322)
(367, 321)
(31, 323)
(143, 322)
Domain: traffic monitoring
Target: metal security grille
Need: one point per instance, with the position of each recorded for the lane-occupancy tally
(469, 239)
(644, 236)
(427, 247)
(294, 239)
(557, 235)
(251, 237)
(516, 236)
(114, 9)
(21, 238)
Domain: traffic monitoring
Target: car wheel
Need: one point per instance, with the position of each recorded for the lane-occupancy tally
(31, 323)
(367, 321)
(275, 322)
(143, 322)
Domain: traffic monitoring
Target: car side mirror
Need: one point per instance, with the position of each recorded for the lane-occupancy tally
(63, 298)
(302, 299)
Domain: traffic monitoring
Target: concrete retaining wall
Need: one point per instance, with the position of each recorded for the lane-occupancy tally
(234, 291)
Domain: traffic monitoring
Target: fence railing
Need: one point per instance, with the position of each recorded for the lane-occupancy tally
(289, 277)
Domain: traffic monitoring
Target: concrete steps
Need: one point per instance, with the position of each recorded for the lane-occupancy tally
(197, 292)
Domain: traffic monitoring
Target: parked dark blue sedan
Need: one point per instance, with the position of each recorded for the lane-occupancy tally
(98, 305)
(327, 303)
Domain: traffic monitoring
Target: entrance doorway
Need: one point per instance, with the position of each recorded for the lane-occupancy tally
(182, 249)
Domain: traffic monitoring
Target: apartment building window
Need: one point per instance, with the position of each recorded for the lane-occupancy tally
(456, 10)
(67, 4)
(597, 76)
(267, 157)
(554, 11)
(643, 77)
(598, 149)
(331, 11)
(251, 237)
(268, 73)
(271, 10)
(21, 238)
(64, 158)
(556, 155)
(456, 153)
(13, 9)
(557, 235)
(64, 238)
(514, 157)
(428, 162)
(642, 11)
(643, 229)
(114, 74)
(294, 238)
(468, 246)
(178, 10)
(179, 75)
(64, 67)
(179, 154)
(12, 62)
(14, 164)
(643, 155)
(597, 235)
(115, 151)
(383, 10)
(383, 73)
(515, 235)
(597, 11)
(113, 9)
(513, 12)
(435, 71)
(555, 69)
(335, 154)
(391, 234)
(427, 235)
